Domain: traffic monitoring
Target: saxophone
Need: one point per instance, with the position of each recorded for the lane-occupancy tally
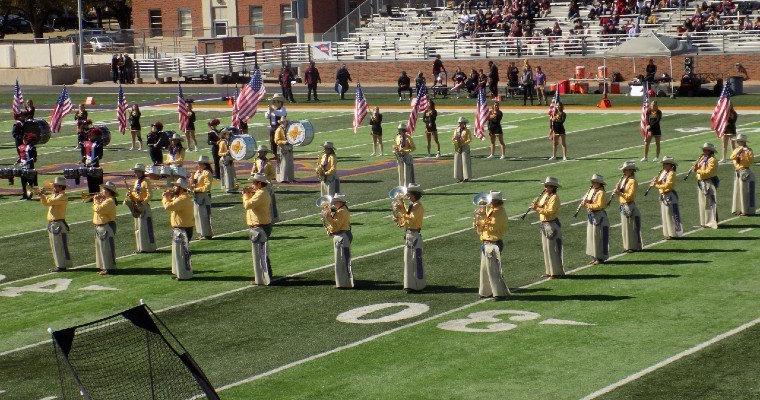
(458, 141)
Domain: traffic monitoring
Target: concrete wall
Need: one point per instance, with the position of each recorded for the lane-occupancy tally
(30, 55)
(53, 76)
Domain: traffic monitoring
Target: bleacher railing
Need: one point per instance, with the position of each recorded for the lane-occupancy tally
(353, 20)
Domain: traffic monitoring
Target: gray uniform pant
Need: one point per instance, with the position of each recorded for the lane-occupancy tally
(58, 233)
(275, 212)
(414, 269)
(285, 167)
(551, 242)
(228, 174)
(708, 204)
(405, 167)
(344, 277)
(598, 235)
(670, 214)
(463, 164)
(330, 185)
(181, 264)
(262, 271)
(105, 247)
(744, 192)
(145, 239)
(202, 212)
(630, 225)
(491, 279)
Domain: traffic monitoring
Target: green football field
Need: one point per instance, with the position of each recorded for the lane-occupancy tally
(678, 320)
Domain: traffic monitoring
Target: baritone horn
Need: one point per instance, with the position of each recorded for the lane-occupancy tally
(323, 201)
(480, 199)
(396, 195)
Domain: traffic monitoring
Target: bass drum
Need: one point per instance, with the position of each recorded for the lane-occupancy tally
(100, 132)
(38, 128)
(233, 131)
(243, 147)
(300, 133)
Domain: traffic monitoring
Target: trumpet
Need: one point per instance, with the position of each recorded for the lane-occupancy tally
(40, 191)
(583, 201)
(249, 190)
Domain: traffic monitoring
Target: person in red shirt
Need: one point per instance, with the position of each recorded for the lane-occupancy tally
(312, 78)
(27, 156)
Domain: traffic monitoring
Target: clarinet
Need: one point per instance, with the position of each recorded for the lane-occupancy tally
(534, 201)
(613, 192)
(583, 201)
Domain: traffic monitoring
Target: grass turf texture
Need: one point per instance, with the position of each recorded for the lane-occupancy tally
(254, 330)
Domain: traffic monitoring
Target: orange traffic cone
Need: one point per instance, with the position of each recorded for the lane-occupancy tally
(604, 102)
(230, 102)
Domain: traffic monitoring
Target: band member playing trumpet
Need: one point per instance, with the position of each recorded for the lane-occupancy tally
(285, 165)
(431, 129)
(175, 153)
(495, 130)
(228, 165)
(27, 156)
(258, 217)
(547, 208)
(744, 179)
(338, 225)
(104, 220)
(58, 229)
(403, 148)
(200, 182)
(630, 217)
(706, 168)
(462, 159)
(327, 171)
(490, 224)
(669, 210)
(410, 219)
(598, 225)
(262, 165)
(178, 203)
(138, 201)
(557, 132)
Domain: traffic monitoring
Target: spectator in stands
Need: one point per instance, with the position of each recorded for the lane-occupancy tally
(342, 77)
(556, 30)
(756, 26)
(438, 67)
(312, 78)
(540, 80)
(459, 79)
(573, 11)
(286, 84)
(512, 80)
(404, 85)
(493, 79)
(418, 82)
(651, 71)
(120, 68)
(472, 83)
(527, 84)
(483, 79)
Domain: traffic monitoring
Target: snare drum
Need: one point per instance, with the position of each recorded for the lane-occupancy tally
(300, 133)
(29, 174)
(38, 128)
(71, 173)
(243, 147)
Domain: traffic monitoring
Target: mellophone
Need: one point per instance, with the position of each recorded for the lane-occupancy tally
(78, 173)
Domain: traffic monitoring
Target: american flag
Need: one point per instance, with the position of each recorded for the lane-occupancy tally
(63, 106)
(18, 99)
(419, 104)
(182, 109)
(719, 118)
(121, 110)
(360, 107)
(644, 124)
(481, 114)
(553, 107)
(250, 95)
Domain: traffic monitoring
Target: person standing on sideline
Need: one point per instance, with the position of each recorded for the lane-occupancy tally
(630, 217)
(706, 168)
(104, 220)
(286, 83)
(262, 165)
(200, 182)
(495, 130)
(744, 179)
(547, 208)
(178, 203)
(730, 133)
(527, 84)
(258, 217)
(285, 164)
(654, 116)
(115, 68)
(438, 67)
(462, 159)
(418, 82)
(338, 226)
(670, 213)
(403, 150)
(512, 80)
(410, 219)
(229, 183)
(342, 77)
(134, 126)
(312, 78)
(213, 140)
(491, 224)
(192, 142)
(557, 134)
(598, 225)
(540, 81)
(431, 130)
(327, 171)
(156, 143)
(493, 79)
(376, 122)
(404, 85)
(138, 201)
(58, 229)
(274, 114)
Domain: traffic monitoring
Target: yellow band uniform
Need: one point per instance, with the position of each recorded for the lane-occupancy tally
(142, 193)
(56, 204)
(263, 167)
(202, 181)
(742, 157)
(103, 210)
(257, 208)
(627, 191)
(596, 200)
(338, 221)
(547, 207)
(279, 136)
(410, 218)
(493, 224)
(707, 167)
(406, 147)
(665, 181)
(180, 209)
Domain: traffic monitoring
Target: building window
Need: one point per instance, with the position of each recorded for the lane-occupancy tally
(256, 18)
(156, 23)
(185, 22)
(288, 24)
(219, 18)
(266, 45)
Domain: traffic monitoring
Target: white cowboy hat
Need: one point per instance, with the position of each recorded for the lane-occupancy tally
(259, 177)
(139, 167)
(741, 138)
(277, 97)
(596, 178)
(60, 181)
(551, 181)
(669, 160)
(263, 148)
(110, 186)
(182, 182)
(630, 164)
(495, 196)
(462, 120)
(339, 197)
(709, 146)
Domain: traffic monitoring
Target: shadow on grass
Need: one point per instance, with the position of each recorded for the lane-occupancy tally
(225, 204)
(224, 238)
(572, 297)
(342, 181)
(606, 158)
(727, 238)
(693, 250)
(507, 180)
(229, 278)
(281, 191)
(220, 251)
(304, 225)
(741, 226)
(654, 262)
(622, 277)
(370, 210)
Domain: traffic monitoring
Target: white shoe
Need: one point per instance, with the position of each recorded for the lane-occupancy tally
(654, 159)
(438, 155)
(400, 99)
(643, 159)
(372, 154)
(502, 157)
(722, 161)
(131, 147)
(552, 158)
(489, 156)
(564, 158)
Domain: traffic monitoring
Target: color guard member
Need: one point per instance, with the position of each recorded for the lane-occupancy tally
(229, 183)
(192, 142)
(557, 133)
(138, 202)
(730, 133)
(547, 208)
(410, 218)
(200, 182)
(327, 171)
(744, 178)
(462, 159)
(670, 213)
(104, 219)
(654, 117)
(285, 165)
(403, 148)
(338, 225)
(630, 217)
(376, 122)
(495, 130)
(58, 229)
(258, 217)
(178, 203)
(431, 129)
(706, 168)
(262, 165)
(213, 141)
(491, 224)
(598, 226)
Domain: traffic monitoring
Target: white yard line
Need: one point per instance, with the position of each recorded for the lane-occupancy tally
(578, 223)
(428, 216)
(289, 211)
(616, 225)
(656, 227)
(463, 218)
(746, 230)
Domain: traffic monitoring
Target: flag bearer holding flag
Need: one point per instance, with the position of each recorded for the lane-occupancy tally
(706, 168)
(723, 121)
(360, 107)
(744, 178)
(462, 160)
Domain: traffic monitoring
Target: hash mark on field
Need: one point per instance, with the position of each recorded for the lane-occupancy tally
(578, 223)
(535, 222)
(616, 225)
(290, 211)
(225, 208)
(428, 216)
(463, 218)
(359, 213)
(49, 398)
(656, 227)
(388, 216)
(746, 230)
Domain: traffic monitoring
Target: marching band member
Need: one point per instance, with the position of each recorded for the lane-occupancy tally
(92, 153)
(155, 142)
(175, 153)
(275, 114)
(192, 142)
(654, 116)
(178, 203)
(491, 224)
(462, 159)
(598, 226)
(258, 217)
(338, 225)
(138, 201)
(58, 229)
(495, 130)
(200, 182)
(228, 166)
(547, 208)
(263, 165)
(410, 219)
(213, 141)
(744, 178)
(376, 122)
(431, 130)
(669, 210)
(730, 133)
(81, 118)
(403, 148)
(285, 165)
(27, 156)
(327, 171)
(557, 134)
(630, 217)
(706, 168)
(104, 220)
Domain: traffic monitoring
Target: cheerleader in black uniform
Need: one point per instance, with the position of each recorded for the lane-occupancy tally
(557, 133)
(654, 117)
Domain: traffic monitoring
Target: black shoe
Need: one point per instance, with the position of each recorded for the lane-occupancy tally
(316, 99)
(56, 269)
